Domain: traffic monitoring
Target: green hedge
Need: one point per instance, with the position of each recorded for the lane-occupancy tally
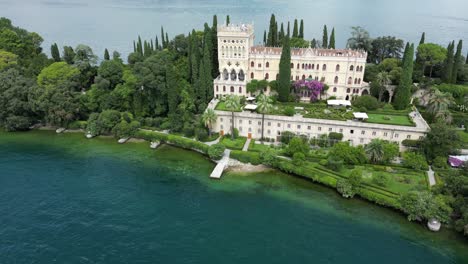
(173, 140)
(246, 157)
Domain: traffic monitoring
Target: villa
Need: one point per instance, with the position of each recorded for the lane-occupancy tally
(240, 61)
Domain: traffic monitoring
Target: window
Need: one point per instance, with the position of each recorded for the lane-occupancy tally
(279, 124)
(408, 137)
(222, 127)
(319, 128)
(217, 88)
(303, 77)
(341, 130)
(232, 89)
(269, 131)
(259, 123)
(252, 64)
(337, 68)
(396, 136)
(250, 129)
(269, 123)
(351, 68)
(336, 79)
(259, 131)
(374, 133)
(297, 66)
(267, 64)
(240, 129)
(224, 88)
(308, 127)
(361, 140)
(292, 65)
(330, 129)
(350, 80)
(359, 81)
(259, 65)
(298, 126)
(363, 132)
(250, 122)
(355, 80)
(252, 75)
(385, 134)
(334, 89)
(313, 66)
(267, 76)
(352, 131)
(240, 89)
(221, 119)
(324, 67)
(240, 121)
(289, 125)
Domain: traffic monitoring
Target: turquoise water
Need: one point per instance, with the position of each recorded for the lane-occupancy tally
(65, 199)
(113, 24)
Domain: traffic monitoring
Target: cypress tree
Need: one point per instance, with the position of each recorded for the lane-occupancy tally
(146, 49)
(167, 40)
(284, 82)
(228, 20)
(271, 32)
(139, 46)
(195, 57)
(151, 45)
(68, 54)
(264, 38)
(423, 38)
(466, 62)
(457, 64)
(54, 50)
(207, 79)
(325, 37)
(403, 91)
(331, 45)
(301, 29)
(295, 29)
(281, 34)
(163, 42)
(288, 32)
(156, 43)
(214, 45)
(106, 55)
(189, 56)
(448, 64)
(134, 47)
(313, 44)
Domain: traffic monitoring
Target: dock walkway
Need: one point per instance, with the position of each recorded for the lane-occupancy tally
(222, 165)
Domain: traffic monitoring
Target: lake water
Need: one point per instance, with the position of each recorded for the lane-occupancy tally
(113, 24)
(65, 199)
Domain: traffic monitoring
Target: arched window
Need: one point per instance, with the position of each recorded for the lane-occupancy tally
(359, 81)
(292, 65)
(225, 74)
(310, 66)
(322, 79)
(337, 67)
(336, 79)
(360, 68)
(302, 65)
(348, 90)
(313, 66)
(297, 77)
(267, 64)
(217, 88)
(334, 89)
(324, 67)
(241, 75)
(267, 76)
(303, 77)
(251, 75)
(298, 66)
(233, 75)
(240, 89)
(232, 89)
(310, 76)
(252, 64)
(350, 80)
(224, 88)
(351, 68)
(355, 80)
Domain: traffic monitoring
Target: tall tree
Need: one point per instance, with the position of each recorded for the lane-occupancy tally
(448, 64)
(139, 46)
(106, 55)
(458, 62)
(195, 57)
(431, 55)
(68, 55)
(265, 105)
(273, 32)
(281, 34)
(207, 79)
(284, 82)
(167, 40)
(313, 44)
(288, 31)
(403, 91)
(423, 38)
(331, 45)
(54, 50)
(264, 38)
(163, 42)
(209, 117)
(385, 47)
(301, 29)
(232, 104)
(228, 20)
(295, 29)
(325, 37)
(360, 39)
(383, 79)
(214, 45)
(156, 43)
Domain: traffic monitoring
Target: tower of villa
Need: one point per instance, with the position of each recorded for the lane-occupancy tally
(240, 61)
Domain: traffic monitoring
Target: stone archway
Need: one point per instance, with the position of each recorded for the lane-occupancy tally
(365, 92)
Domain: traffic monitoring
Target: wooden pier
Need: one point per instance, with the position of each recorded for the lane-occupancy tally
(222, 165)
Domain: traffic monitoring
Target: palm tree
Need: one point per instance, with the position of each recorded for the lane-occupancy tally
(439, 102)
(232, 104)
(208, 118)
(383, 79)
(375, 150)
(264, 105)
(444, 116)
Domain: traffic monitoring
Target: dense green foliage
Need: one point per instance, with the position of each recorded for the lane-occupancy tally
(284, 83)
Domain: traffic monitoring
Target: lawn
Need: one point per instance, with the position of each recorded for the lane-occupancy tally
(463, 138)
(221, 106)
(236, 144)
(401, 120)
(258, 147)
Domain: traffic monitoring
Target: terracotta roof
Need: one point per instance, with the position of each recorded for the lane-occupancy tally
(316, 52)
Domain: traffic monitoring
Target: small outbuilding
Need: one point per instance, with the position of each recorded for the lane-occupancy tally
(338, 103)
(361, 116)
(250, 107)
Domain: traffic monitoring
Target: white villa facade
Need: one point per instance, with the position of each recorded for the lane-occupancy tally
(240, 61)
(343, 70)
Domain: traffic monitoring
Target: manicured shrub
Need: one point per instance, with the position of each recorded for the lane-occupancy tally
(201, 134)
(349, 154)
(298, 158)
(355, 178)
(411, 143)
(286, 136)
(335, 136)
(367, 101)
(414, 161)
(216, 151)
(297, 145)
(268, 157)
(246, 157)
(289, 111)
(440, 163)
(381, 179)
(345, 188)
